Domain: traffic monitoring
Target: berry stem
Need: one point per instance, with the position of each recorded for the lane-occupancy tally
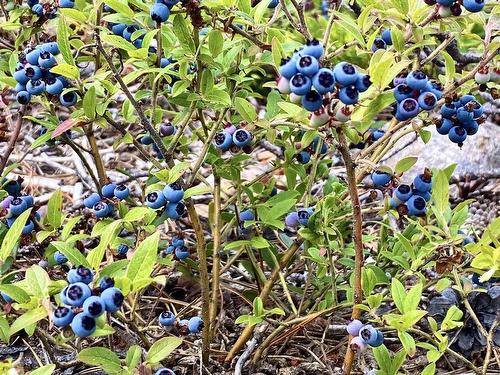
(13, 136)
(358, 240)
(101, 173)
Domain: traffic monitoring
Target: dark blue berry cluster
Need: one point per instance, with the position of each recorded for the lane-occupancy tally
(177, 247)
(169, 199)
(166, 130)
(304, 156)
(383, 41)
(454, 7)
(82, 305)
(233, 139)
(16, 203)
(414, 92)
(460, 117)
(33, 75)
(102, 204)
(364, 335)
(168, 320)
(299, 217)
(303, 77)
(407, 199)
(48, 10)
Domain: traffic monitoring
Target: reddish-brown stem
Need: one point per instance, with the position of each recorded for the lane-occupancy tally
(13, 138)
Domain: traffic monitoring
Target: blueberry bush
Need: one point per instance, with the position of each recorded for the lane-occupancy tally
(206, 186)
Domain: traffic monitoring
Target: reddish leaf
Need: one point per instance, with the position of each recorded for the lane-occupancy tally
(65, 126)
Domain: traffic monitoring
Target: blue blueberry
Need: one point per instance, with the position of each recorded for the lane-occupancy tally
(445, 3)
(37, 9)
(416, 205)
(300, 84)
(166, 319)
(379, 340)
(106, 282)
(164, 371)
(101, 209)
(324, 81)
(23, 97)
(122, 249)
(91, 200)
(423, 182)
(17, 206)
(128, 31)
(312, 101)
(403, 192)
(166, 130)
(363, 82)
(368, 334)
(20, 87)
(35, 87)
(66, 3)
(386, 36)
(378, 43)
(471, 127)
(155, 199)
(68, 99)
(435, 87)
(303, 157)
(427, 101)
(345, 74)
(223, 140)
(159, 12)
(463, 115)
(426, 195)
(242, 137)
(354, 327)
(6, 297)
(195, 324)
(402, 92)
(178, 242)
(273, 4)
(288, 68)
(121, 192)
(53, 86)
(51, 47)
(181, 252)
(292, 219)
(247, 215)
(28, 227)
(376, 134)
(80, 274)
(349, 95)
(448, 110)
(94, 306)
(381, 178)
(457, 135)
(408, 108)
(175, 210)
(112, 298)
(77, 293)
(173, 192)
(477, 109)
(108, 190)
(146, 139)
(63, 296)
(32, 56)
(83, 325)
(314, 48)
(417, 80)
(473, 5)
(303, 215)
(20, 76)
(62, 316)
(46, 60)
(307, 65)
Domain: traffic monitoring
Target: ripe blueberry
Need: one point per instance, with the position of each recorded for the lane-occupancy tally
(303, 215)
(345, 74)
(181, 252)
(77, 293)
(108, 190)
(303, 157)
(60, 258)
(167, 129)
(368, 334)
(101, 209)
(53, 86)
(448, 110)
(122, 249)
(223, 140)
(94, 306)
(363, 82)
(402, 92)
(354, 327)
(416, 205)
(324, 81)
(379, 340)
(381, 178)
(313, 48)
(6, 297)
(121, 192)
(386, 36)
(471, 127)
(427, 101)
(46, 60)
(112, 298)
(312, 101)
(83, 325)
(423, 182)
(164, 371)
(23, 97)
(242, 137)
(457, 135)
(159, 12)
(173, 192)
(18, 206)
(62, 316)
(463, 115)
(288, 68)
(292, 220)
(307, 65)
(403, 192)
(435, 87)
(66, 4)
(378, 43)
(408, 108)
(68, 99)
(300, 84)
(106, 282)
(195, 324)
(473, 5)
(175, 210)
(166, 319)
(416, 80)
(35, 87)
(349, 95)
(155, 199)
(91, 200)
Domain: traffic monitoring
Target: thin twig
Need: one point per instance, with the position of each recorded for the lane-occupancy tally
(13, 138)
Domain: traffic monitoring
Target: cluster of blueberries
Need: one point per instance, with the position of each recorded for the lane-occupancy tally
(306, 81)
(16, 203)
(82, 304)
(33, 75)
(383, 41)
(233, 139)
(413, 198)
(299, 217)
(364, 334)
(166, 130)
(48, 10)
(304, 156)
(454, 7)
(460, 117)
(415, 92)
(178, 247)
(170, 198)
(168, 320)
(104, 207)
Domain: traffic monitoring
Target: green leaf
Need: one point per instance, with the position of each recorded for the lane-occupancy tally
(440, 191)
(258, 307)
(118, 42)
(63, 43)
(95, 256)
(382, 357)
(215, 42)
(45, 370)
(66, 70)
(398, 294)
(133, 357)
(144, 258)
(37, 280)
(89, 103)
(408, 343)
(398, 40)
(16, 293)
(449, 65)
(245, 109)
(413, 297)
(136, 214)
(54, 207)
(68, 227)
(161, 349)
(183, 33)
(73, 254)
(121, 6)
(197, 190)
(13, 235)
(27, 319)
(101, 357)
(405, 164)
(4, 330)
(430, 369)
(350, 27)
